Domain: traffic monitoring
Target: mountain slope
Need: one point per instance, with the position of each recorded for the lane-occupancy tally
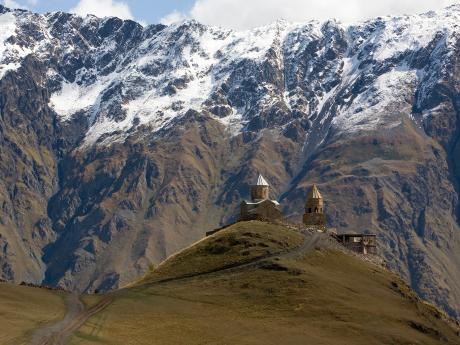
(122, 144)
(319, 296)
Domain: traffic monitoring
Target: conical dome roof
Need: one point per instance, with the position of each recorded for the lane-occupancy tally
(261, 181)
(314, 193)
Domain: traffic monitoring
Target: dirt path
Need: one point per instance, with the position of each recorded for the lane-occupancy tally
(77, 315)
(311, 240)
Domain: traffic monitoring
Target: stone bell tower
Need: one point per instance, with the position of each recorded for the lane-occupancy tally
(314, 209)
(259, 191)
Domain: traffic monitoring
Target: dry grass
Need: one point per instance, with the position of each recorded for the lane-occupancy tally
(325, 297)
(240, 243)
(23, 309)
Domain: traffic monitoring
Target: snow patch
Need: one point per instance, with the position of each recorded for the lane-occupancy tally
(373, 107)
(7, 29)
(234, 123)
(73, 98)
(411, 33)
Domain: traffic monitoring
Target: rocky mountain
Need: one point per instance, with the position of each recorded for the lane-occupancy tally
(121, 144)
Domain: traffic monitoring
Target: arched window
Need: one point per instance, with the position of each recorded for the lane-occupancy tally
(316, 210)
(309, 210)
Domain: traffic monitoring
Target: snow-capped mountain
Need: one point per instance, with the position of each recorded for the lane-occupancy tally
(121, 75)
(123, 143)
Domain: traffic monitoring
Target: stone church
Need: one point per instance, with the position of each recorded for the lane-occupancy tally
(260, 207)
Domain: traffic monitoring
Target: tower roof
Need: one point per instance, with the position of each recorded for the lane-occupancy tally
(314, 193)
(261, 181)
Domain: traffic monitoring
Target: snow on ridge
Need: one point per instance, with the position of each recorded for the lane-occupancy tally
(155, 106)
(411, 33)
(12, 55)
(203, 56)
(200, 59)
(181, 66)
(8, 28)
(389, 94)
(8, 25)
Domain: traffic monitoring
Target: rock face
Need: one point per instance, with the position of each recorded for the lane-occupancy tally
(121, 144)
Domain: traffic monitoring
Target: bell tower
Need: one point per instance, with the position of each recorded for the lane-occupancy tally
(259, 191)
(314, 209)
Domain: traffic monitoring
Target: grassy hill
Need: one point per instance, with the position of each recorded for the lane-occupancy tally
(23, 309)
(256, 283)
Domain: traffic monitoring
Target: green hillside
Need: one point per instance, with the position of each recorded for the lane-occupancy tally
(255, 283)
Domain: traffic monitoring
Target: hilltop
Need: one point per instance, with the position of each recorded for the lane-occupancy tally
(258, 283)
(251, 283)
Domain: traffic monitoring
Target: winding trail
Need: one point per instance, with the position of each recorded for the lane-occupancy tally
(78, 314)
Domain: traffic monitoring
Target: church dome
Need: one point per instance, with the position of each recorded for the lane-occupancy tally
(261, 181)
(314, 193)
